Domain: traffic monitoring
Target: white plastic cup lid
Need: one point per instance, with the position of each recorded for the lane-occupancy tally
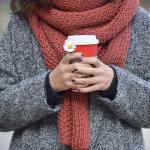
(82, 39)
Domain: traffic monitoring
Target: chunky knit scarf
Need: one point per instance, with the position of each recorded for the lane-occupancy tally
(110, 21)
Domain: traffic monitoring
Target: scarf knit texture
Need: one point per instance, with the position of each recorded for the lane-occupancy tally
(110, 22)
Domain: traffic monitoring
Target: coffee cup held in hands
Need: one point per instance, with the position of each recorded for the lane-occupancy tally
(86, 44)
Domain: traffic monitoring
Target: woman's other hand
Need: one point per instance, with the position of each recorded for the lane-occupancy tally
(101, 75)
(61, 78)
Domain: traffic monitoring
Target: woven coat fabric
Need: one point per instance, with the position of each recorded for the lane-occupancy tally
(110, 22)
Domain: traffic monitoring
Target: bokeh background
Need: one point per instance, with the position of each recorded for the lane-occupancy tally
(4, 19)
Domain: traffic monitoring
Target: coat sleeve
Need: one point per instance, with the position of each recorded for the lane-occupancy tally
(132, 101)
(22, 102)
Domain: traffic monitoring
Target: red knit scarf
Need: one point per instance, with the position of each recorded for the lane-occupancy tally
(110, 21)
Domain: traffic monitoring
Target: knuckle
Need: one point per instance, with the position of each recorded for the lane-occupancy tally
(76, 75)
(75, 65)
(88, 65)
(92, 71)
(67, 84)
(69, 56)
(77, 55)
(66, 76)
(83, 81)
(87, 81)
(61, 69)
(64, 58)
(69, 76)
(95, 60)
(79, 86)
(95, 71)
(104, 86)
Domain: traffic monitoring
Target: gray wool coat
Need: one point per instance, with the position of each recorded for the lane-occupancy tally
(114, 125)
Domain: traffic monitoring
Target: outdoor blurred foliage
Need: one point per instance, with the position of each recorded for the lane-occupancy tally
(5, 12)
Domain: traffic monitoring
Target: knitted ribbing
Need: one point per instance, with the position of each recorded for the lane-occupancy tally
(110, 22)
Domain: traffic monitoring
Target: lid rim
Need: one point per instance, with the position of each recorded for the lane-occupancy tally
(85, 43)
(82, 39)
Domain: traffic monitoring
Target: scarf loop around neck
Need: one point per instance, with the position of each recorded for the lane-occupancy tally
(110, 22)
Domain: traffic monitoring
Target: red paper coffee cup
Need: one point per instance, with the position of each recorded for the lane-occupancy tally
(86, 44)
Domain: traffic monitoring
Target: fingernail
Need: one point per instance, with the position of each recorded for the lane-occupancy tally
(76, 90)
(81, 59)
(75, 69)
(73, 80)
(82, 55)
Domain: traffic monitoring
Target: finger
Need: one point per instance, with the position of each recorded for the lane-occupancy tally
(71, 56)
(92, 88)
(87, 81)
(92, 61)
(71, 76)
(78, 75)
(77, 86)
(75, 89)
(73, 67)
(88, 71)
(72, 85)
(85, 65)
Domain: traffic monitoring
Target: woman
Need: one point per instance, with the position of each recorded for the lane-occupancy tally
(44, 94)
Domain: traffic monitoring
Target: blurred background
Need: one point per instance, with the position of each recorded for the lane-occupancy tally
(4, 19)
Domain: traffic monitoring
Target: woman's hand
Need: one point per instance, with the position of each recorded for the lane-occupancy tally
(61, 77)
(101, 75)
